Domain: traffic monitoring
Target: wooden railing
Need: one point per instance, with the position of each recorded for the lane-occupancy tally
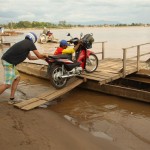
(102, 52)
(1, 39)
(137, 57)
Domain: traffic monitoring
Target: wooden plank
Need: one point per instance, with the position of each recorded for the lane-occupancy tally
(118, 65)
(104, 81)
(109, 79)
(126, 92)
(92, 78)
(101, 75)
(119, 91)
(32, 100)
(64, 90)
(112, 71)
(130, 71)
(111, 68)
(106, 73)
(33, 105)
(95, 75)
(48, 96)
(26, 102)
(103, 78)
(89, 77)
(116, 77)
(109, 65)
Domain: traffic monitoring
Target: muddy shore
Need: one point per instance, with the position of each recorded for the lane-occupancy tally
(41, 129)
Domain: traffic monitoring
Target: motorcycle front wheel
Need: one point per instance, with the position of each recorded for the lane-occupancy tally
(55, 76)
(91, 63)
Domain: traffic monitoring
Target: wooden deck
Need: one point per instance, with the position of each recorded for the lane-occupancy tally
(108, 70)
(111, 69)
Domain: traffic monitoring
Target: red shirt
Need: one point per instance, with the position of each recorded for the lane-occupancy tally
(58, 51)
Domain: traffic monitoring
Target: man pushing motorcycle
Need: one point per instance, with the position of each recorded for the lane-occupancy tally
(14, 56)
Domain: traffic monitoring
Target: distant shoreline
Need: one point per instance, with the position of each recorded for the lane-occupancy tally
(78, 27)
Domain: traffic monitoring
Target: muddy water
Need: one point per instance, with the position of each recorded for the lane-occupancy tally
(125, 122)
(116, 38)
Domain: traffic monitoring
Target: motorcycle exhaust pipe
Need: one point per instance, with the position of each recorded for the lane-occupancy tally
(68, 76)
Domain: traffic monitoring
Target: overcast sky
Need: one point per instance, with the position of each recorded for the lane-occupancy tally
(123, 11)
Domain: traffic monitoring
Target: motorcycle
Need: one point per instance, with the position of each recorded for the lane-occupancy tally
(63, 68)
(48, 37)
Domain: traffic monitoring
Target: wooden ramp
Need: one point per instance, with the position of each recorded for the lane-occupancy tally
(46, 97)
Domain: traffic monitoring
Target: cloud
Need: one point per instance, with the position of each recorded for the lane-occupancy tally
(75, 11)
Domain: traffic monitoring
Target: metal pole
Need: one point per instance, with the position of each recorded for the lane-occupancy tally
(138, 57)
(103, 49)
(1, 42)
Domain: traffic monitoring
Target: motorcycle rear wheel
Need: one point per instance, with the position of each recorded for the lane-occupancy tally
(91, 63)
(55, 77)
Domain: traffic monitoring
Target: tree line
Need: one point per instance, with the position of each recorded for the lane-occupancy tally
(35, 24)
(61, 24)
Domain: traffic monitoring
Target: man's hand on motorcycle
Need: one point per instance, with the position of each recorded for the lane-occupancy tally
(80, 42)
(45, 55)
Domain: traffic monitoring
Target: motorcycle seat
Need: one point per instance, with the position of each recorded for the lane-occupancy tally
(61, 56)
(71, 66)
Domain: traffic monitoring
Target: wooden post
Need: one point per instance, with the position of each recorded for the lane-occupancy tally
(1, 42)
(138, 57)
(103, 49)
(124, 62)
(1, 39)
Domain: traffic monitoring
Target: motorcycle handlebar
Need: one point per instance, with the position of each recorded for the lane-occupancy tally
(74, 41)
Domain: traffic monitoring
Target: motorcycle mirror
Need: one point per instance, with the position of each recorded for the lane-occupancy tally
(81, 34)
(68, 34)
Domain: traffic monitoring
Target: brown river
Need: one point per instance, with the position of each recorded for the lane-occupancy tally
(124, 121)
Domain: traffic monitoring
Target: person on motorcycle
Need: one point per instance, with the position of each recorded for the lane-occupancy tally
(1, 29)
(50, 35)
(14, 56)
(45, 30)
(64, 48)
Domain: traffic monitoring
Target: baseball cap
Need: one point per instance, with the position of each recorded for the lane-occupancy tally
(64, 43)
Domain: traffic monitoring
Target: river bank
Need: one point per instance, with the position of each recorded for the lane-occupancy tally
(43, 129)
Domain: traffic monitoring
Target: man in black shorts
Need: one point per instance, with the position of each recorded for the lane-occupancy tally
(15, 55)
